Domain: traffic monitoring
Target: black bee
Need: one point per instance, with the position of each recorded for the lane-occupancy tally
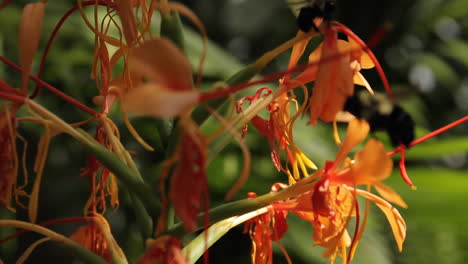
(382, 115)
(314, 9)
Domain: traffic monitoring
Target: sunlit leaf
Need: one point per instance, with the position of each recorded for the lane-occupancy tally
(438, 148)
(218, 64)
(457, 50)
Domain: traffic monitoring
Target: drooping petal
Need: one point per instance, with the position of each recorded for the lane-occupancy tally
(310, 74)
(264, 127)
(334, 82)
(188, 182)
(296, 53)
(397, 223)
(155, 100)
(356, 133)
(162, 62)
(29, 35)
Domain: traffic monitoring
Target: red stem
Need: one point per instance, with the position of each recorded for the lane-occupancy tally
(268, 78)
(403, 173)
(54, 90)
(273, 77)
(430, 135)
(233, 89)
(439, 131)
(377, 37)
(54, 33)
(12, 97)
(401, 149)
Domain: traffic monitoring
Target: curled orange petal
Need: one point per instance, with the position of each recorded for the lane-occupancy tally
(153, 100)
(162, 62)
(334, 82)
(397, 223)
(356, 133)
(29, 35)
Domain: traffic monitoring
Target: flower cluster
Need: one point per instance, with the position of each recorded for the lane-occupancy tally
(141, 67)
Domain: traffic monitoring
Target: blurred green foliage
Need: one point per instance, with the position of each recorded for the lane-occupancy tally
(425, 57)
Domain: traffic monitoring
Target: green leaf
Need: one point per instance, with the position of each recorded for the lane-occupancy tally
(440, 196)
(454, 8)
(457, 50)
(438, 148)
(218, 63)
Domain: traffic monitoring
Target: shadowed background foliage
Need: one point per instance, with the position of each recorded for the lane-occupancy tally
(425, 57)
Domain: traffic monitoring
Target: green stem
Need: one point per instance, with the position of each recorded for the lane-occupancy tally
(171, 27)
(86, 255)
(145, 223)
(201, 114)
(247, 205)
(127, 175)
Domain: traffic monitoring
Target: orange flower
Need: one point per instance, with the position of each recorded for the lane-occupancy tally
(329, 209)
(92, 238)
(334, 66)
(97, 237)
(332, 201)
(168, 91)
(29, 35)
(164, 250)
(371, 166)
(334, 81)
(103, 186)
(263, 230)
(278, 130)
(266, 228)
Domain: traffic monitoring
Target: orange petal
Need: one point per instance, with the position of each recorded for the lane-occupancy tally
(150, 99)
(360, 80)
(372, 164)
(29, 35)
(298, 50)
(390, 195)
(161, 61)
(356, 133)
(164, 249)
(310, 74)
(397, 223)
(334, 82)
(362, 57)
